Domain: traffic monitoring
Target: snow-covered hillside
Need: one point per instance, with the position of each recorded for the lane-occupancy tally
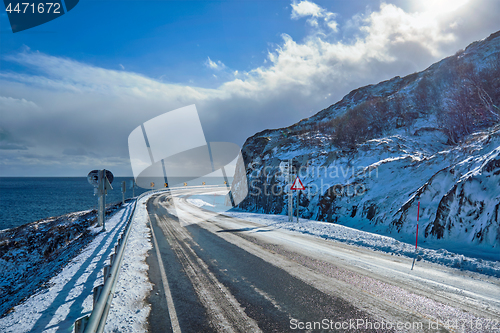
(33, 253)
(368, 160)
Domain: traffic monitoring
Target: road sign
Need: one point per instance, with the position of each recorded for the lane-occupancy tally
(101, 180)
(93, 177)
(297, 185)
(105, 184)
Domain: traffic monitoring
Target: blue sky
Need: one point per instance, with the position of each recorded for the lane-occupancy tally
(73, 89)
(167, 40)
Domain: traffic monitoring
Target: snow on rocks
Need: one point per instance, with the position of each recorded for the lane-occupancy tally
(31, 254)
(68, 295)
(368, 160)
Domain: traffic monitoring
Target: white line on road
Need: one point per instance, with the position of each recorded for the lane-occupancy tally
(176, 328)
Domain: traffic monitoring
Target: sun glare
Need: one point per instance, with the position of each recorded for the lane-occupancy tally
(438, 7)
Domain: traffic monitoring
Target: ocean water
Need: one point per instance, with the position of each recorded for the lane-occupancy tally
(28, 199)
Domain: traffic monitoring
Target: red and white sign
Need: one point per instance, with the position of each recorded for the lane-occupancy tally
(297, 185)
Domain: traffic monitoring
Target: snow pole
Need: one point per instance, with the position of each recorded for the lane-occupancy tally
(298, 194)
(416, 238)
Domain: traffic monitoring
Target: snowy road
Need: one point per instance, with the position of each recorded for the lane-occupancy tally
(223, 273)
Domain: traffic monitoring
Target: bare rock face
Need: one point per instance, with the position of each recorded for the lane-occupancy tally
(430, 137)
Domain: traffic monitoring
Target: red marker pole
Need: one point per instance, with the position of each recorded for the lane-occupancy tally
(418, 215)
(416, 237)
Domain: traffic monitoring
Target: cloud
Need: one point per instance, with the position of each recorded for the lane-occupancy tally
(62, 74)
(78, 116)
(8, 141)
(78, 152)
(332, 25)
(214, 65)
(12, 146)
(121, 66)
(307, 8)
(9, 104)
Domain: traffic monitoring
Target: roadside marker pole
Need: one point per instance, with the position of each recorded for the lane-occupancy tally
(416, 238)
(124, 189)
(101, 180)
(290, 193)
(226, 181)
(101, 217)
(298, 194)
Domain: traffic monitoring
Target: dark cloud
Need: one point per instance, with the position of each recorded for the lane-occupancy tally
(12, 146)
(78, 152)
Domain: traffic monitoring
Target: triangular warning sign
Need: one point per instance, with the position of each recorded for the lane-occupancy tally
(297, 185)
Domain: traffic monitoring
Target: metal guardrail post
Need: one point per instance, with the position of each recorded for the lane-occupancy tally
(80, 324)
(96, 293)
(107, 270)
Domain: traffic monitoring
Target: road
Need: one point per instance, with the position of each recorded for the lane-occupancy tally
(214, 273)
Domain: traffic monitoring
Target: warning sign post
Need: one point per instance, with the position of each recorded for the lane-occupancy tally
(297, 186)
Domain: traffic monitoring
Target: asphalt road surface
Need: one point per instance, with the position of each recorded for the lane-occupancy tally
(214, 273)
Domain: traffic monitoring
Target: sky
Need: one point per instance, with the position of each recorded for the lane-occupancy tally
(73, 89)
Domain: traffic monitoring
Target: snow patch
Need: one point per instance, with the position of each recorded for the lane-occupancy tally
(199, 203)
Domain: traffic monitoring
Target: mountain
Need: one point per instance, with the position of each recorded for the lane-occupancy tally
(430, 137)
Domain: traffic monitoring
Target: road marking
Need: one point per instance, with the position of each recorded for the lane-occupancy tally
(323, 283)
(225, 313)
(176, 328)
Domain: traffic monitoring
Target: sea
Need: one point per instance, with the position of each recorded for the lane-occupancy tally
(28, 199)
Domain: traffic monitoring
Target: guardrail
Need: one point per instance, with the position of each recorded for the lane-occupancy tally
(103, 294)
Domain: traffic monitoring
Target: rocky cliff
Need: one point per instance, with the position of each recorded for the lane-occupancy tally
(430, 137)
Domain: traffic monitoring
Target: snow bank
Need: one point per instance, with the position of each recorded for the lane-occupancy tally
(129, 310)
(373, 241)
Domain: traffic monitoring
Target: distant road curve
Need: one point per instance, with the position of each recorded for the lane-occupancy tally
(223, 274)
